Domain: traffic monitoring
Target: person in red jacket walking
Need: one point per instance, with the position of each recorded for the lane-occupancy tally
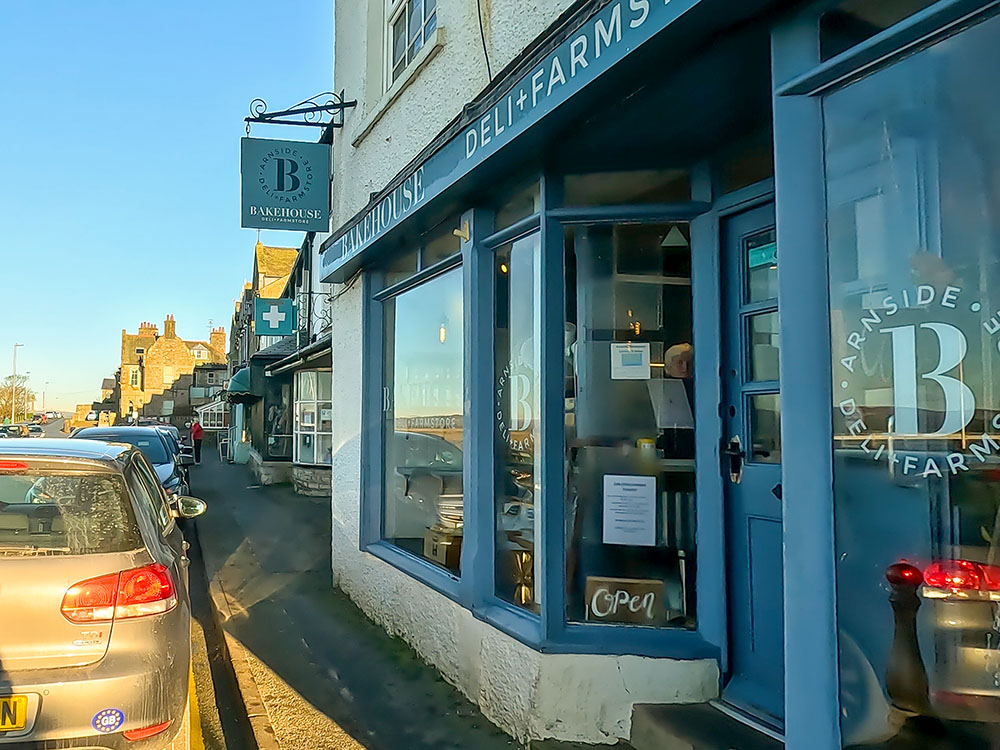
(196, 434)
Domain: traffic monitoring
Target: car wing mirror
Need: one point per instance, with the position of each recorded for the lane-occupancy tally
(189, 507)
(186, 459)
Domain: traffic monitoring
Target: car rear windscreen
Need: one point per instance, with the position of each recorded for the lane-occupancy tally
(151, 445)
(45, 512)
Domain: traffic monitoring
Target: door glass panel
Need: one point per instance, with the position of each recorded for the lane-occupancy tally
(913, 231)
(629, 424)
(764, 346)
(760, 252)
(765, 429)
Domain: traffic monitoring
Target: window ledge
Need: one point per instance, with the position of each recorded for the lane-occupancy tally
(425, 572)
(424, 56)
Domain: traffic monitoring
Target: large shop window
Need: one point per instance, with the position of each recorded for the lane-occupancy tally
(313, 417)
(629, 425)
(913, 195)
(518, 423)
(423, 410)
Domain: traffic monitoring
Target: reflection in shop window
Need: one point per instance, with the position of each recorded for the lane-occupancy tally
(423, 411)
(518, 424)
(630, 511)
(912, 158)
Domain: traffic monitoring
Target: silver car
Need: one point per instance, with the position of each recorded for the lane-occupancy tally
(95, 637)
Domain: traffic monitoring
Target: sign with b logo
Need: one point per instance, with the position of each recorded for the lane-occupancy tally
(914, 384)
(959, 400)
(285, 185)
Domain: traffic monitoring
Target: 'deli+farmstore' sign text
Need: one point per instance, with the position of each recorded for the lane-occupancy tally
(599, 43)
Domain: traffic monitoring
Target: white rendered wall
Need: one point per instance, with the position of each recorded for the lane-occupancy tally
(434, 96)
(528, 694)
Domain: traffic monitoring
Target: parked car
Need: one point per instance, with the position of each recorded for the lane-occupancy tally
(36, 419)
(95, 567)
(172, 435)
(170, 467)
(35, 431)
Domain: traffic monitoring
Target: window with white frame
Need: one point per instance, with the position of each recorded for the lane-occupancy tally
(313, 417)
(140, 350)
(409, 24)
(133, 378)
(214, 416)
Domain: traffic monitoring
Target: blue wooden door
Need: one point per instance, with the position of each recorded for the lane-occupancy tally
(751, 464)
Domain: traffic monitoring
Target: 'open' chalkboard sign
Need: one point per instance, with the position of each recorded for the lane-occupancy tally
(637, 601)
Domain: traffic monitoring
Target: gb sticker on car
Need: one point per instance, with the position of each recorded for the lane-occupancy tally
(108, 720)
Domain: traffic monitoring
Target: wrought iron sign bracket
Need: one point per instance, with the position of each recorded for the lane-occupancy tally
(311, 112)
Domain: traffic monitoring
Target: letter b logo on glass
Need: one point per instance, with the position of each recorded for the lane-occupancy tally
(959, 401)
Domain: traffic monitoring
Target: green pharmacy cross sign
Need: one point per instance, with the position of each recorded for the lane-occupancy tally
(274, 317)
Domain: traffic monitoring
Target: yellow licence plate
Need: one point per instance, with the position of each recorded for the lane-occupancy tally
(13, 712)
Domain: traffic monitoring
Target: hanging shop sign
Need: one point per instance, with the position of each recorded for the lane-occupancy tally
(601, 42)
(273, 317)
(285, 185)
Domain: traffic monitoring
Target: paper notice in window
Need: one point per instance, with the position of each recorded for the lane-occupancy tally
(630, 361)
(630, 510)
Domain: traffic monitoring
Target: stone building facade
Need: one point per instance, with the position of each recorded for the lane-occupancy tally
(151, 363)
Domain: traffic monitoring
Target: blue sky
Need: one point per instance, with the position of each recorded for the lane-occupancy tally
(119, 201)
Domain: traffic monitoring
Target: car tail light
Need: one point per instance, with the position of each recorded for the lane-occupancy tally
(145, 591)
(141, 734)
(962, 579)
(92, 600)
(132, 593)
(13, 466)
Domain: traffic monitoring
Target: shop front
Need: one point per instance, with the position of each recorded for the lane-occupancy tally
(677, 386)
(312, 415)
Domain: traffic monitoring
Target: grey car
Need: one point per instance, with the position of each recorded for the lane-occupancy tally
(95, 648)
(170, 467)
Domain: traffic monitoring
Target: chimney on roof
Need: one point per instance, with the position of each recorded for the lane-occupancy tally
(217, 340)
(147, 329)
(169, 327)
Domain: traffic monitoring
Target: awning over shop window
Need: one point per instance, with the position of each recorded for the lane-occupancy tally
(239, 391)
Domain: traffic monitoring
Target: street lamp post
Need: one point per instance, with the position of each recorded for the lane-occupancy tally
(13, 385)
(44, 388)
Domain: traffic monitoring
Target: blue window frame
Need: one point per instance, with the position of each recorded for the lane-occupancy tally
(543, 625)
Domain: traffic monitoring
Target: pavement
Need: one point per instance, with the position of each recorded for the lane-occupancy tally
(313, 671)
